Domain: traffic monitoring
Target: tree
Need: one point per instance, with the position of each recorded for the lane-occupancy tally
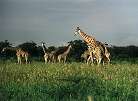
(51, 48)
(4, 44)
(78, 47)
(8, 53)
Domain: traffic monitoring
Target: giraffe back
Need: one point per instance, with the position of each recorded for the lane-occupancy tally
(68, 50)
(22, 53)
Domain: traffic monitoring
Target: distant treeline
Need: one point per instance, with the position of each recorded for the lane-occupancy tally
(78, 47)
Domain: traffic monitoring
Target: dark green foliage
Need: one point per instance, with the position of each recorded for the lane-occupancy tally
(51, 48)
(4, 44)
(40, 51)
(8, 53)
(124, 52)
(78, 47)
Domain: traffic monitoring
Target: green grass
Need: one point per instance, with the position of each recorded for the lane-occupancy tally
(68, 82)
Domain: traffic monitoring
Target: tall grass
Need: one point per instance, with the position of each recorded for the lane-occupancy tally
(68, 82)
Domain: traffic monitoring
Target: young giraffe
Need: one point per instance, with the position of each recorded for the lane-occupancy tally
(19, 53)
(64, 54)
(95, 48)
(86, 56)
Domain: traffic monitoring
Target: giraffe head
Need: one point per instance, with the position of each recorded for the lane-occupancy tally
(70, 46)
(77, 31)
(43, 43)
(105, 43)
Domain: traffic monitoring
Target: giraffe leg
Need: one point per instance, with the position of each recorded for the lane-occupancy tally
(26, 59)
(99, 61)
(106, 60)
(53, 59)
(92, 59)
(59, 58)
(65, 58)
(18, 59)
(46, 59)
(88, 60)
(91, 56)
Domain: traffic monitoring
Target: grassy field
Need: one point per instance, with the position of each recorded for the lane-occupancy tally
(68, 82)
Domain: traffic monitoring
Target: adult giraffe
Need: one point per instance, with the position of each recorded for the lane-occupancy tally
(20, 53)
(64, 54)
(48, 56)
(96, 48)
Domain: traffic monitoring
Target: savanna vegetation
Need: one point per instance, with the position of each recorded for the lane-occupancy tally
(72, 81)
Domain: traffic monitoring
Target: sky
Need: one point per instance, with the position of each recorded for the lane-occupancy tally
(54, 21)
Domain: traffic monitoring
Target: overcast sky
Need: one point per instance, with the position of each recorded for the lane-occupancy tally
(54, 21)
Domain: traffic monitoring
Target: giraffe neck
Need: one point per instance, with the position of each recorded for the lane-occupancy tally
(82, 34)
(88, 39)
(44, 48)
(67, 51)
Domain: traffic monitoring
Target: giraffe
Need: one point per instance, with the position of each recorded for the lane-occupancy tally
(20, 53)
(106, 55)
(48, 56)
(45, 53)
(86, 56)
(64, 54)
(95, 48)
(105, 58)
